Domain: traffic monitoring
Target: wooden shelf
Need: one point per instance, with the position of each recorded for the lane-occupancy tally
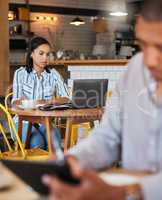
(91, 62)
(119, 62)
(19, 20)
(21, 35)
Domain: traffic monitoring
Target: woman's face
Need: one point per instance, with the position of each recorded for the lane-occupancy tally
(40, 56)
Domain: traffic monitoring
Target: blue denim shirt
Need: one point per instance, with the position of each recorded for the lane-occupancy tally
(30, 86)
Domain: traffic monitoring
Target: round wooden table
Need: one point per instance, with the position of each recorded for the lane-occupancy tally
(72, 116)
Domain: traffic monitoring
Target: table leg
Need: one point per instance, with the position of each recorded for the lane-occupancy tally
(20, 121)
(49, 138)
(29, 131)
(67, 134)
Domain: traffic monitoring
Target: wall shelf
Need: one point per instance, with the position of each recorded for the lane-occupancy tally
(20, 20)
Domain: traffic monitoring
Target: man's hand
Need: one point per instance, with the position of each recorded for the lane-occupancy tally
(91, 187)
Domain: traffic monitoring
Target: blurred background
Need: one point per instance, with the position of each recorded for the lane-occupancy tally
(76, 29)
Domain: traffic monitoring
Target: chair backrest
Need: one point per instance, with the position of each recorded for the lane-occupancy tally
(12, 127)
(7, 99)
(75, 136)
(5, 137)
(20, 153)
(7, 103)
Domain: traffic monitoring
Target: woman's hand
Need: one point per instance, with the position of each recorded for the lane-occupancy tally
(19, 101)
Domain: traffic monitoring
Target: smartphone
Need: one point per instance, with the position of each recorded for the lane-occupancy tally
(31, 172)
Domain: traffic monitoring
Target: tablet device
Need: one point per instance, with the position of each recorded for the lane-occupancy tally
(31, 172)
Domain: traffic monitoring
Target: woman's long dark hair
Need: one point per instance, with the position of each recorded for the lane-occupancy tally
(35, 43)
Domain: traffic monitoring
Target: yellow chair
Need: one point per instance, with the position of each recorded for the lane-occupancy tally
(7, 99)
(7, 102)
(21, 153)
(109, 93)
(74, 132)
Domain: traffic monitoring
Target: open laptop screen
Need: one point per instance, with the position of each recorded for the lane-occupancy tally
(89, 93)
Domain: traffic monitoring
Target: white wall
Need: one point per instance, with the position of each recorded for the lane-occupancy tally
(112, 73)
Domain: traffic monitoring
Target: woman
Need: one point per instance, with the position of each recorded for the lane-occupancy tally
(38, 82)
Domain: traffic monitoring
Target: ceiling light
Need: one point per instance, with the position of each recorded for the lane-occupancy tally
(118, 14)
(77, 21)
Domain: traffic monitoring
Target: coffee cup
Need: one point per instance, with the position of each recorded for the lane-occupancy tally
(28, 104)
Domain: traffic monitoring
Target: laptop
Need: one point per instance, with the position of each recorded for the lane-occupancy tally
(86, 93)
(89, 93)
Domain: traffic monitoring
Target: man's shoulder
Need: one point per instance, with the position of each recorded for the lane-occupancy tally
(135, 65)
(136, 60)
(134, 69)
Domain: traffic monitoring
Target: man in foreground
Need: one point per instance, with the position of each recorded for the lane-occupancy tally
(131, 128)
